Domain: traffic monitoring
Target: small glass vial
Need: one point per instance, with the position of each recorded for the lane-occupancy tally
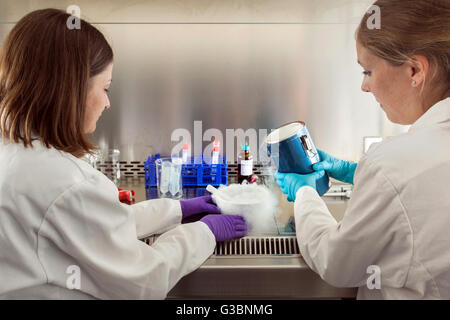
(245, 165)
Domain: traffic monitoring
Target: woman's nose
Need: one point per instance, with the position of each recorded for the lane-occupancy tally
(365, 87)
(108, 104)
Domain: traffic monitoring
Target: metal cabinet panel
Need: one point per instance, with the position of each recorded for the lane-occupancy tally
(229, 64)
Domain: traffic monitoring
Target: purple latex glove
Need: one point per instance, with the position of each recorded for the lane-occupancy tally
(196, 208)
(225, 227)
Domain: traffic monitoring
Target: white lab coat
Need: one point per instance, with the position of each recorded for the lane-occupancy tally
(59, 216)
(398, 218)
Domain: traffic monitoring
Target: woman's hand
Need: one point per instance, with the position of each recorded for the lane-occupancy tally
(226, 227)
(196, 208)
(336, 168)
(290, 182)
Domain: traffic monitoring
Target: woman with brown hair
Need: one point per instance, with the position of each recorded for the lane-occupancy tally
(63, 232)
(393, 241)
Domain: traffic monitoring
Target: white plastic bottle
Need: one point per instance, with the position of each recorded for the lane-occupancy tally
(184, 153)
(215, 152)
(215, 155)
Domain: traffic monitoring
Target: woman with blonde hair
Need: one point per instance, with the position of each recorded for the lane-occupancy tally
(393, 241)
(63, 232)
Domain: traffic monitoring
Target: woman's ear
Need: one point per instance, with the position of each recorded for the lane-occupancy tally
(418, 70)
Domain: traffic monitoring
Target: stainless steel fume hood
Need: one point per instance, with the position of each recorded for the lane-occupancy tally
(266, 266)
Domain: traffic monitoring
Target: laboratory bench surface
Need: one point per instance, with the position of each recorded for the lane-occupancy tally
(253, 277)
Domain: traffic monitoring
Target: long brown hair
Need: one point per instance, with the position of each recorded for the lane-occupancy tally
(412, 27)
(44, 72)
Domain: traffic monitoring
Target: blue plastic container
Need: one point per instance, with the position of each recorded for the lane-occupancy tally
(291, 146)
(195, 172)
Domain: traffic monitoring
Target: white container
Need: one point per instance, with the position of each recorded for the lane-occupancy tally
(255, 203)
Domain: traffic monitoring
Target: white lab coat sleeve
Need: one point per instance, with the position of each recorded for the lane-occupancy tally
(156, 216)
(374, 231)
(88, 227)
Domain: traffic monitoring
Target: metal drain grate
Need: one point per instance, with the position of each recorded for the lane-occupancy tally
(252, 246)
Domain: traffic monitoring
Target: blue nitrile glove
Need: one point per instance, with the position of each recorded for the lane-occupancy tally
(225, 227)
(290, 182)
(339, 169)
(196, 208)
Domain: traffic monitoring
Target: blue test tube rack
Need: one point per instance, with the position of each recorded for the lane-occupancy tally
(197, 171)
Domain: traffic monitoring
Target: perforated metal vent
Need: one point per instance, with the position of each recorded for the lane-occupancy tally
(252, 246)
(258, 246)
(127, 168)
